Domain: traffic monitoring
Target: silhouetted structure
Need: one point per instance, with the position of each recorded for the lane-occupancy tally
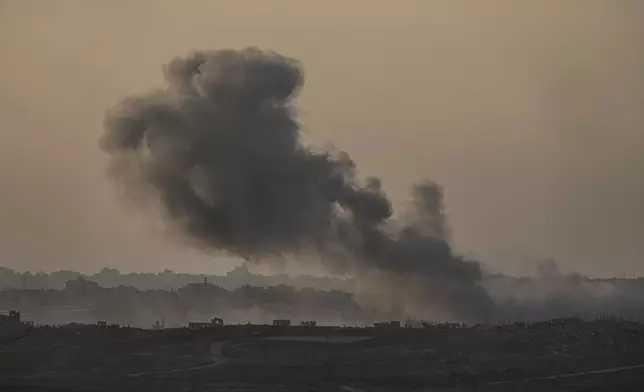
(215, 322)
(82, 287)
(387, 325)
(10, 320)
(281, 323)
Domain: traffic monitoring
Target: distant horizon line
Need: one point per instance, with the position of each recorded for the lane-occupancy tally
(622, 276)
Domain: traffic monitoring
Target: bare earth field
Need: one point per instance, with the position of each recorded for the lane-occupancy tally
(562, 355)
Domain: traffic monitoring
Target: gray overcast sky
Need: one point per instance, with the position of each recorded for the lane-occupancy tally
(530, 113)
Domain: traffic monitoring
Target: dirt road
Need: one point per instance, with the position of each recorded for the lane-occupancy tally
(216, 357)
(570, 375)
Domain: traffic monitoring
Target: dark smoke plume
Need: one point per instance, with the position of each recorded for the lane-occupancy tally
(220, 149)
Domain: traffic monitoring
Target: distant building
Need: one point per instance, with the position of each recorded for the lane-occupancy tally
(10, 320)
(387, 325)
(281, 323)
(217, 321)
(82, 287)
(159, 324)
(309, 323)
(213, 323)
(11, 326)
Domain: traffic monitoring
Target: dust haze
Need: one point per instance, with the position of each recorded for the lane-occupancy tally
(529, 117)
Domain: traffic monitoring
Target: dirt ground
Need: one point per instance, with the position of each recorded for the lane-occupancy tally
(562, 355)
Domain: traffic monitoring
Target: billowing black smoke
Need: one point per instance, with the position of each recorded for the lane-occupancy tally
(220, 149)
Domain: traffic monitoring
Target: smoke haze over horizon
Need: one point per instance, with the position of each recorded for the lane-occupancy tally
(529, 116)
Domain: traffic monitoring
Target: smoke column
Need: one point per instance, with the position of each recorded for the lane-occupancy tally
(219, 149)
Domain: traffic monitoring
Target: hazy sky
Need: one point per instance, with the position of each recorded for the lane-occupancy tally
(530, 113)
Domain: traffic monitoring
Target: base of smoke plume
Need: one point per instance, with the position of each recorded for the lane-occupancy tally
(422, 298)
